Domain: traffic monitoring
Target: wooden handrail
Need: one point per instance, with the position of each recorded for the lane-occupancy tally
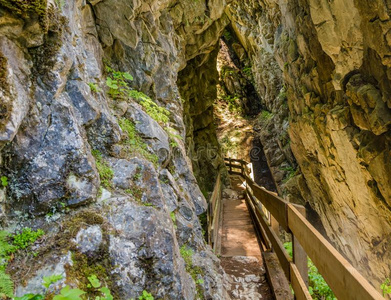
(344, 280)
(214, 214)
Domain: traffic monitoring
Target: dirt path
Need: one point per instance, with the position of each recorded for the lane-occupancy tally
(241, 255)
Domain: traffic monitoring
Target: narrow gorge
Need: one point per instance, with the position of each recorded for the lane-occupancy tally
(116, 117)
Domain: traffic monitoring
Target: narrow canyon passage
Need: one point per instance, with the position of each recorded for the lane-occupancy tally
(116, 116)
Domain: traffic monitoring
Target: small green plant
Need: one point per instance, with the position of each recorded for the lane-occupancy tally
(227, 35)
(173, 218)
(4, 181)
(266, 115)
(173, 137)
(134, 143)
(97, 285)
(146, 296)
(67, 293)
(94, 87)
(60, 4)
(94, 281)
(6, 285)
(247, 71)
(119, 88)
(291, 172)
(49, 280)
(106, 174)
(26, 238)
(386, 287)
(187, 255)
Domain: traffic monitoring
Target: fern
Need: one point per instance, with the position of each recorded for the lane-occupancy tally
(6, 285)
(5, 248)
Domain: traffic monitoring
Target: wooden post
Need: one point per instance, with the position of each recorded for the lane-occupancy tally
(274, 224)
(299, 256)
(230, 165)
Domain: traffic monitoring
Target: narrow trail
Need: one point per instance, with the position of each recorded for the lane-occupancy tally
(240, 252)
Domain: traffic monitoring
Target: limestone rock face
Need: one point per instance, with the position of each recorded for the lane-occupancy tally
(334, 58)
(61, 142)
(255, 25)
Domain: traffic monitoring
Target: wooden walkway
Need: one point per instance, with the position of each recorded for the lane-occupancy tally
(240, 252)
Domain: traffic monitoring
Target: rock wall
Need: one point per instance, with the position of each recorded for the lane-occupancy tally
(334, 59)
(254, 26)
(112, 187)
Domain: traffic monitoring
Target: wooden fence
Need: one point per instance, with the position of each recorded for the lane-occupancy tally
(270, 212)
(214, 216)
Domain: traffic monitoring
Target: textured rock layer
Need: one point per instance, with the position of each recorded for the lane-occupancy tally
(334, 58)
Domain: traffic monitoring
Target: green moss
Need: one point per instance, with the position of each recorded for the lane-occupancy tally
(265, 115)
(134, 144)
(25, 8)
(106, 174)
(187, 255)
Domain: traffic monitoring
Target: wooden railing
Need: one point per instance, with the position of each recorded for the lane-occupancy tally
(270, 212)
(214, 216)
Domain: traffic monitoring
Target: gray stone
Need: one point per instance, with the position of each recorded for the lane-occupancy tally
(89, 239)
(56, 267)
(151, 132)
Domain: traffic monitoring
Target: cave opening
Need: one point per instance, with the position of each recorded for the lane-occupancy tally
(221, 110)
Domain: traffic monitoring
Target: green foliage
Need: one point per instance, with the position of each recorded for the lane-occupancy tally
(228, 145)
(194, 271)
(173, 218)
(67, 293)
(318, 287)
(26, 237)
(227, 35)
(266, 115)
(30, 297)
(94, 281)
(173, 137)
(187, 255)
(291, 173)
(5, 248)
(386, 287)
(4, 181)
(233, 103)
(119, 89)
(247, 71)
(134, 143)
(60, 4)
(49, 280)
(146, 296)
(94, 87)
(106, 294)
(6, 285)
(96, 284)
(106, 174)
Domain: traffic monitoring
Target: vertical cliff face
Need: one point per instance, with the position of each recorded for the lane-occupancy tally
(95, 163)
(334, 58)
